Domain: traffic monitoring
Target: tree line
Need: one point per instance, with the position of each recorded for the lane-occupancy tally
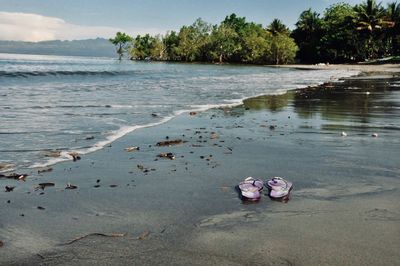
(343, 33)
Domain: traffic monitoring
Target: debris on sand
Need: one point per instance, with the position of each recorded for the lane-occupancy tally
(142, 168)
(41, 208)
(343, 134)
(70, 186)
(214, 135)
(42, 186)
(53, 154)
(44, 170)
(6, 166)
(170, 142)
(9, 188)
(144, 235)
(133, 148)
(75, 156)
(14, 176)
(375, 135)
(94, 234)
(1, 243)
(168, 155)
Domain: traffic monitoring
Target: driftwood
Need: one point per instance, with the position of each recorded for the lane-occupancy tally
(94, 234)
(14, 176)
(170, 142)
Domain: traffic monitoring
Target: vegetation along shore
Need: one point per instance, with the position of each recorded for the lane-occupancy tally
(342, 34)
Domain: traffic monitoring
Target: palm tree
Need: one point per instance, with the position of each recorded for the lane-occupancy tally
(308, 35)
(370, 20)
(277, 27)
(393, 14)
(371, 16)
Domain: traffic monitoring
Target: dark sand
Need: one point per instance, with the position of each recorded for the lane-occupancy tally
(344, 209)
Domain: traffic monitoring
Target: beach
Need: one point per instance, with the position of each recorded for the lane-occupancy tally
(143, 209)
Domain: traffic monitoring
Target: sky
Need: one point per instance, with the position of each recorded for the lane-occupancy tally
(39, 20)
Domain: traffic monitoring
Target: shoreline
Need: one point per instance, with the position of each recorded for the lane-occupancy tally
(114, 135)
(344, 188)
(364, 70)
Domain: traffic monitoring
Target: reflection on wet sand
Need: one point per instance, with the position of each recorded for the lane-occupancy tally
(353, 100)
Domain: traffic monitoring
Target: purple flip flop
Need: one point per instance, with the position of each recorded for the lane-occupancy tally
(279, 187)
(250, 189)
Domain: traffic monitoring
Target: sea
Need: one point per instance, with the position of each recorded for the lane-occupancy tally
(67, 104)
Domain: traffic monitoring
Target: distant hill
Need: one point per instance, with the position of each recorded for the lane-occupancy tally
(92, 47)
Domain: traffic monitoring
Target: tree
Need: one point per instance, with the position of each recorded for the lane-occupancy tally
(370, 20)
(277, 27)
(393, 33)
(223, 39)
(142, 47)
(256, 44)
(171, 40)
(122, 42)
(307, 35)
(283, 49)
(339, 42)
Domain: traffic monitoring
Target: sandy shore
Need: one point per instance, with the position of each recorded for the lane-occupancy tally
(365, 68)
(343, 210)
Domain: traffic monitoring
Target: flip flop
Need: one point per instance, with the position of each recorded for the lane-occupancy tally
(278, 187)
(250, 189)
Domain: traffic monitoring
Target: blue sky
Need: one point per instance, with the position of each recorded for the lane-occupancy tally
(78, 19)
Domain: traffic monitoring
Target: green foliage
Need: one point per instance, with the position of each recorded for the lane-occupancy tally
(344, 33)
(122, 42)
(256, 44)
(224, 43)
(347, 34)
(338, 43)
(283, 49)
(308, 34)
(277, 27)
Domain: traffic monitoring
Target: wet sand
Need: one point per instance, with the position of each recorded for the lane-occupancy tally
(344, 209)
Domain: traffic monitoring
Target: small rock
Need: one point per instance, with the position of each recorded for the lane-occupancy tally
(44, 170)
(44, 185)
(168, 155)
(40, 208)
(75, 156)
(70, 186)
(144, 235)
(193, 113)
(9, 188)
(375, 135)
(130, 149)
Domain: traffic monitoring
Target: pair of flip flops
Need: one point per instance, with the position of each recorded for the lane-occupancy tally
(251, 188)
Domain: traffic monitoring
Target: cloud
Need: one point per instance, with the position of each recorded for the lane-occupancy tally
(35, 28)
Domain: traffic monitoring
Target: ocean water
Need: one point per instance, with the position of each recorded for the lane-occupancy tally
(53, 103)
